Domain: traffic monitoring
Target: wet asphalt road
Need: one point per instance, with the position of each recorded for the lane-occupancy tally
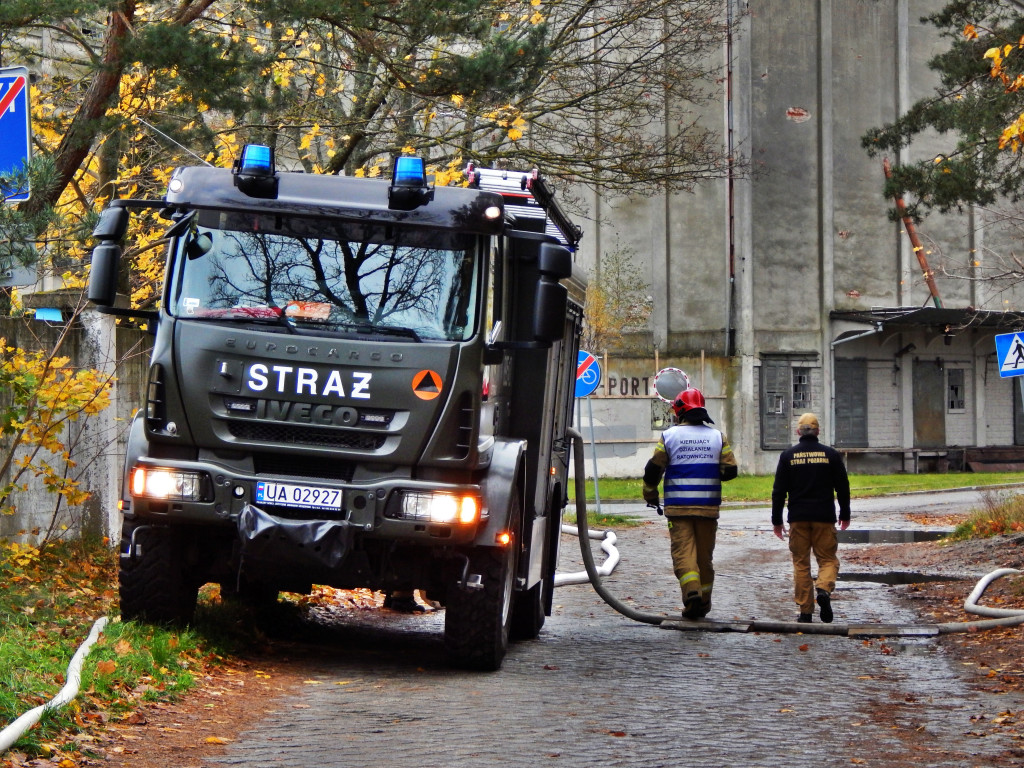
(597, 689)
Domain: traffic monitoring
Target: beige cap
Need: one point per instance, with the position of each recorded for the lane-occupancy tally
(808, 423)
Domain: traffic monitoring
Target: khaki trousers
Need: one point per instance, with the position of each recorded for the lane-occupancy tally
(693, 549)
(819, 538)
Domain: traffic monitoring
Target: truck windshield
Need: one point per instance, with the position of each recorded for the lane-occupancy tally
(334, 276)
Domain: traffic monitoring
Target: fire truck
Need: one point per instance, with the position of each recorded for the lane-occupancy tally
(354, 382)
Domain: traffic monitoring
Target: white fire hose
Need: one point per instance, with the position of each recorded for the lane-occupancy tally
(14, 731)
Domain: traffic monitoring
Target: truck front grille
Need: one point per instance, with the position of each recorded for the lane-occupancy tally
(304, 435)
(318, 467)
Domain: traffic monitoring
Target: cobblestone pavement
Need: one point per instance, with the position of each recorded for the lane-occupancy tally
(597, 689)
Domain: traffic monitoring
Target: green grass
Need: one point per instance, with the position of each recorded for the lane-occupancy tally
(999, 515)
(596, 521)
(758, 488)
(49, 601)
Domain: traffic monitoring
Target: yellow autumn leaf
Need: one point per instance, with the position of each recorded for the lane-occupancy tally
(457, 100)
(217, 740)
(515, 134)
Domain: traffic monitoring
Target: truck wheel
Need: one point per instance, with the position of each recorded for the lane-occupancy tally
(155, 584)
(477, 622)
(528, 611)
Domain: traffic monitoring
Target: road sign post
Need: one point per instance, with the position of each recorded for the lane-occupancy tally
(1010, 354)
(1010, 358)
(15, 133)
(588, 377)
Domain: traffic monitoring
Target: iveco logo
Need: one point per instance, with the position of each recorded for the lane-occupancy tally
(331, 353)
(305, 413)
(293, 380)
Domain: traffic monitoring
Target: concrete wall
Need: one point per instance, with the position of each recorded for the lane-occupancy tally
(96, 442)
(770, 257)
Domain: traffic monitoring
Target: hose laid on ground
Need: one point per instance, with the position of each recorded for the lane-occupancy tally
(1004, 617)
(608, 540)
(14, 731)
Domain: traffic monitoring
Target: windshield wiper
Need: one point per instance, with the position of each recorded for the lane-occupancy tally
(384, 330)
(262, 318)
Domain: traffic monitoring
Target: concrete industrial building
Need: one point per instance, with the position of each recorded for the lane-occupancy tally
(791, 289)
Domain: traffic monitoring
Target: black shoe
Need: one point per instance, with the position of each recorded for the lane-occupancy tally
(804, 618)
(825, 604)
(693, 607)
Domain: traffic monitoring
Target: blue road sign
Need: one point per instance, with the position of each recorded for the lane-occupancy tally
(1010, 354)
(588, 374)
(15, 131)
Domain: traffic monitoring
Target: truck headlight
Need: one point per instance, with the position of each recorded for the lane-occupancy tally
(170, 484)
(447, 508)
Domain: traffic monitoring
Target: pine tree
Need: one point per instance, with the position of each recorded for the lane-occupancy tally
(972, 108)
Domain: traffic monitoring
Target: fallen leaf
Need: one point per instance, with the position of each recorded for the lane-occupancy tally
(106, 667)
(123, 648)
(217, 740)
(804, 647)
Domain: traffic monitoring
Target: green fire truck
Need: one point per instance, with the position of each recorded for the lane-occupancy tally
(360, 383)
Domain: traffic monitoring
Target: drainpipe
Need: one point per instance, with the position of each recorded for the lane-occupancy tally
(832, 373)
(730, 193)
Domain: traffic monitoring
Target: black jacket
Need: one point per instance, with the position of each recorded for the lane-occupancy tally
(810, 473)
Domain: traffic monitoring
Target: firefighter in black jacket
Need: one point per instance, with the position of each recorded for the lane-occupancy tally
(813, 476)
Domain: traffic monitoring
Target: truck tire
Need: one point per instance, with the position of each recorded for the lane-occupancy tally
(477, 622)
(155, 584)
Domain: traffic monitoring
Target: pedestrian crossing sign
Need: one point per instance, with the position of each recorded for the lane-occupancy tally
(1010, 354)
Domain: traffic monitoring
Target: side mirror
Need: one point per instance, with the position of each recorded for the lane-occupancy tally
(200, 246)
(551, 302)
(112, 225)
(106, 260)
(554, 261)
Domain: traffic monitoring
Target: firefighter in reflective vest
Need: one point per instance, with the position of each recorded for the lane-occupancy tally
(694, 460)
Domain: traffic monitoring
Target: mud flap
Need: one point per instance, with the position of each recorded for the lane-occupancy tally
(299, 543)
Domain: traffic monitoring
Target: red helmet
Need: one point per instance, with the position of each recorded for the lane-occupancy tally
(688, 400)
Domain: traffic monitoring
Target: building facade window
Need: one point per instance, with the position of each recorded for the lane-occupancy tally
(801, 390)
(787, 390)
(955, 379)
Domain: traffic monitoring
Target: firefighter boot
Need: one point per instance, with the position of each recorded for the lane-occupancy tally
(825, 604)
(693, 606)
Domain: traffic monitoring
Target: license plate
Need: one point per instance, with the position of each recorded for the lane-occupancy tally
(307, 496)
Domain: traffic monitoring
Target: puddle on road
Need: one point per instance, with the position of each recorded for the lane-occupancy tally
(892, 578)
(882, 536)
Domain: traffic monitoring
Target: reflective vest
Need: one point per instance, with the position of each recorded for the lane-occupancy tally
(692, 477)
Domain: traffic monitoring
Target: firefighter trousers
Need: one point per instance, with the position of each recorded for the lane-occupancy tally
(819, 538)
(693, 549)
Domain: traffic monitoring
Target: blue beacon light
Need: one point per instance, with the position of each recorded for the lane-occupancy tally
(409, 189)
(254, 172)
(409, 172)
(256, 159)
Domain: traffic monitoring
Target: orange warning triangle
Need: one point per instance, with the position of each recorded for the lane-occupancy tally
(426, 385)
